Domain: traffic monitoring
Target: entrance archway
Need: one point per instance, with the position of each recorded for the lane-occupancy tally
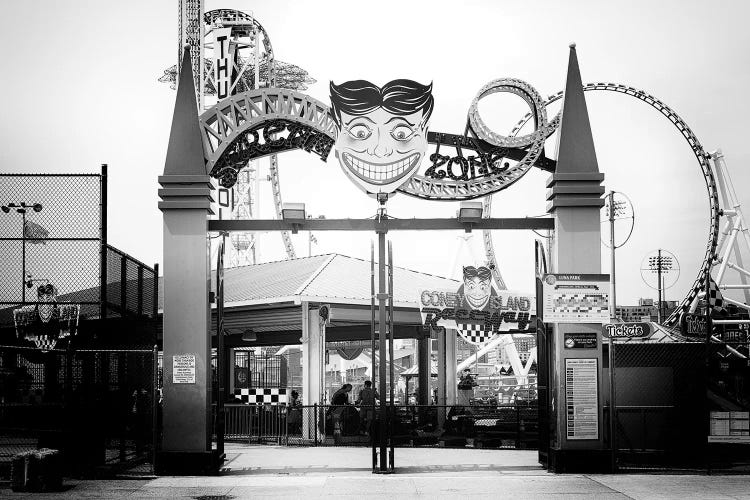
(268, 121)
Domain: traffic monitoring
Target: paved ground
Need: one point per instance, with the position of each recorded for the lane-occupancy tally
(269, 472)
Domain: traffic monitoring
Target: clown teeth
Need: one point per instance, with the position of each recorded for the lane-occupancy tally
(380, 172)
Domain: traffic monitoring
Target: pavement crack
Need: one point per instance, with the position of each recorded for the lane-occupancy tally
(608, 487)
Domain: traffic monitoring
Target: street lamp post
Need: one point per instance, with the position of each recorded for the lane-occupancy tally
(21, 208)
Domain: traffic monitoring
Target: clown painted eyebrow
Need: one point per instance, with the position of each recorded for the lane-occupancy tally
(359, 118)
(400, 118)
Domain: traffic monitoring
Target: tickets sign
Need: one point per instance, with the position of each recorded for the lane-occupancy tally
(626, 330)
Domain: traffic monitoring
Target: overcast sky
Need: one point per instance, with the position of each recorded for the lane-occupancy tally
(80, 87)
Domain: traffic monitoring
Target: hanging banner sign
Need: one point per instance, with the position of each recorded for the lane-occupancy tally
(477, 310)
(576, 298)
(626, 330)
(222, 62)
(349, 344)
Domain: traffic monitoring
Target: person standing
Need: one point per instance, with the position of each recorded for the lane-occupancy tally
(466, 388)
(366, 401)
(294, 418)
(339, 402)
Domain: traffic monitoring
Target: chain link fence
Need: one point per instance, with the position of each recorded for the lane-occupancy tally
(50, 233)
(132, 287)
(94, 393)
(668, 399)
(99, 407)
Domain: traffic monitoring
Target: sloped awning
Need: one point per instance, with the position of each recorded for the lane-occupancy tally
(414, 371)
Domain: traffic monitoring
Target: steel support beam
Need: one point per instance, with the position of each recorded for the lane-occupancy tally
(384, 224)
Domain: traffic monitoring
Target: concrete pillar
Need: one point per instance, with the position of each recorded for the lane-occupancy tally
(186, 204)
(446, 384)
(231, 363)
(425, 370)
(313, 368)
(186, 324)
(451, 384)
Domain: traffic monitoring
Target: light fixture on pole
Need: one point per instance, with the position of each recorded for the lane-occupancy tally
(22, 208)
(469, 213)
(293, 213)
(249, 335)
(617, 208)
(310, 237)
(660, 270)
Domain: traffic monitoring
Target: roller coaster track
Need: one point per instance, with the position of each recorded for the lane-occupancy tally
(273, 177)
(700, 155)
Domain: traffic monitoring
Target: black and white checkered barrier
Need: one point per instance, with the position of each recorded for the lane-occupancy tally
(474, 332)
(259, 395)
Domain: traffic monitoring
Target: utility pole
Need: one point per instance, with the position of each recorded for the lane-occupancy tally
(659, 283)
(613, 302)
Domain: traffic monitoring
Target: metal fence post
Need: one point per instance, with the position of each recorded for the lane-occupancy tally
(103, 243)
(518, 426)
(612, 407)
(155, 405)
(315, 420)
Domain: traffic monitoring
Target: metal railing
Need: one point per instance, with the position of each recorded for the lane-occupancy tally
(511, 426)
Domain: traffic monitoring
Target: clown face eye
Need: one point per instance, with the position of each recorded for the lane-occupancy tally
(359, 131)
(402, 133)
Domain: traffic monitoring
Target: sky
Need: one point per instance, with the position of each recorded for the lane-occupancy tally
(81, 89)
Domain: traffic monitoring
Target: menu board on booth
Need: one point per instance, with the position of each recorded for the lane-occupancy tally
(576, 298)
(581, 400)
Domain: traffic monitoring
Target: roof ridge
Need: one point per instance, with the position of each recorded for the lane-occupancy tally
(315, 274)
(402, 268)
(277, 261)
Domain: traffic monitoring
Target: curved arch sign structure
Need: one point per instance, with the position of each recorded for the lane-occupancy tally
(268, 121)
(248, 125)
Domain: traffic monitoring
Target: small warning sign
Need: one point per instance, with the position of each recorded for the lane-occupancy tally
(183, 369)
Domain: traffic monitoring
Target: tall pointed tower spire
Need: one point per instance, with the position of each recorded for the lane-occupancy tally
(185, 205)
(577, 180)
(185, 149)
(575, 190)
(575, 147)
(575, 200)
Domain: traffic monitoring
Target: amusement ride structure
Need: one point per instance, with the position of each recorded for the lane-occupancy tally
(251, 66)
(475, 164)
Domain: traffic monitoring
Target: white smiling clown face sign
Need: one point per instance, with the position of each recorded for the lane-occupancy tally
(382, 132)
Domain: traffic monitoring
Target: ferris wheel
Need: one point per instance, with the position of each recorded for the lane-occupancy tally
(232, 53)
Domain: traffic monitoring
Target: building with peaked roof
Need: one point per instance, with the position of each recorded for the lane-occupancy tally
(269, 299)
(277, 303)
